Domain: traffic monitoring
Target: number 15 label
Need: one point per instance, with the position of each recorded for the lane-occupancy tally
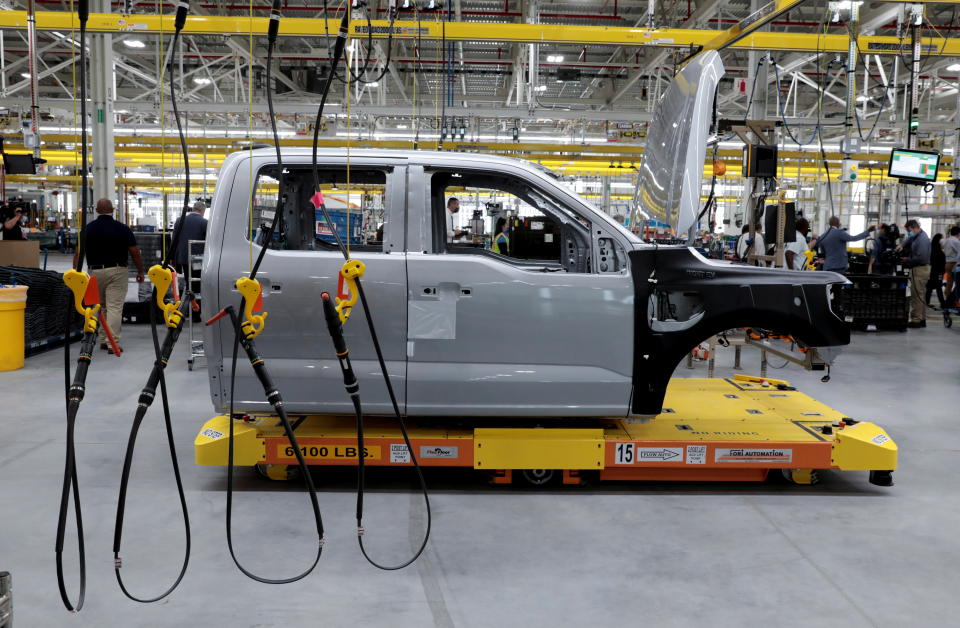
(625, 453)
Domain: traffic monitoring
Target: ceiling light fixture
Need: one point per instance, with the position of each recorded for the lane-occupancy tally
(134, 43)
(201, 80)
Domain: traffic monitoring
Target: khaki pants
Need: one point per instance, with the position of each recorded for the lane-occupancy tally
(919, 276)
(112, 283)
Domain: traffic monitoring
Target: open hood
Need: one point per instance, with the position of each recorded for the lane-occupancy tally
(671, 172)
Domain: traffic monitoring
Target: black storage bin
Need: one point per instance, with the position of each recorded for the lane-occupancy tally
(879, 300)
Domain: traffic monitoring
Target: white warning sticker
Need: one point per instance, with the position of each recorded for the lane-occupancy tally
(880, 439)
(209, 433)
(696, 454)
(743, 454)
(659, 454)
(399, 453)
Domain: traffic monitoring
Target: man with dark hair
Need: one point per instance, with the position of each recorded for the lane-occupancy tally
(795, 254)
(833, 243)
(194, 227)
(453, 206)
(917, 248)
(11, 218)
(106, 245)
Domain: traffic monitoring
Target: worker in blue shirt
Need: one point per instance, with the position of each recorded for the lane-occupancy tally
(916, 249)
(833, 244)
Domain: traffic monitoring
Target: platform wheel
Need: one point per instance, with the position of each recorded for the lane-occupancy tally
(806, 477)
(538, 477)
(278, 472)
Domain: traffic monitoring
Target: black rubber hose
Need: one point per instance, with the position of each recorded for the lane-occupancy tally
(70, 482)
(161, 357)
(147, 396)
(273, 396)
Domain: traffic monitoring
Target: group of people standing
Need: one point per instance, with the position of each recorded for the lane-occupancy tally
(930, 262)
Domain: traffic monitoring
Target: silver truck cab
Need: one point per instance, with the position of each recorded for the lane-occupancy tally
(573, 317)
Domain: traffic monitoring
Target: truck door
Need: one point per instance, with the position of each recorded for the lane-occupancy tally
(535, 329)
(367, 204)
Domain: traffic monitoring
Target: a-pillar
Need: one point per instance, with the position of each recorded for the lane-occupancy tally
(103, 93)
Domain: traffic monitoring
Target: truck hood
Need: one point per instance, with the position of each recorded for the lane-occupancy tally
(671, 171)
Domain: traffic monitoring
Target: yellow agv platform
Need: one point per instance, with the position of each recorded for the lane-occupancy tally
(736, 429)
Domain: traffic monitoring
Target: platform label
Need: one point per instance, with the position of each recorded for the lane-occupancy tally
(399, 453)
(624, 453)
(437, 451)
(659, 454)
(696, 454)
(880, 439)
(329, 452)
(211, 433)
(765, 455)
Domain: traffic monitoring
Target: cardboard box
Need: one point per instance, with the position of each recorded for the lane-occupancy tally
(24, 253)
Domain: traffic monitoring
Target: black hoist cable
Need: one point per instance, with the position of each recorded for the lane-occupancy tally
(174, 316)
(336, 332)
(74, 392)
(244, 334)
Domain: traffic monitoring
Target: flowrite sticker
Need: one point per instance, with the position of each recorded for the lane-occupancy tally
(212, 434)
(659, 454)
(765, 455)
(399, 453)
(880, 439)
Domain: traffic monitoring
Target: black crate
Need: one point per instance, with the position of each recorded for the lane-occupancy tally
(879, 300)
(48, 303)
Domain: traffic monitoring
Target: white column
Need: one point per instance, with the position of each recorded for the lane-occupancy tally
(102, 93)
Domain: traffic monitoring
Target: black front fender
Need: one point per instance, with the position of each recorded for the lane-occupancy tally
(795, 303)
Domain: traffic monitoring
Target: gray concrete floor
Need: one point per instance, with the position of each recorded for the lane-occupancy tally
(843, 553)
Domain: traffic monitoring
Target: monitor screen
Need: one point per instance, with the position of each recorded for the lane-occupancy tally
(19, 164)
(914, 164)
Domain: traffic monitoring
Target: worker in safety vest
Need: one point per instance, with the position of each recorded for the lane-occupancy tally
(501, 241)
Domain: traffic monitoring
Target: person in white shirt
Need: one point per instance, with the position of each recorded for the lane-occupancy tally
(453, 206)
(795, 254)
(744, 247)
(951, 252)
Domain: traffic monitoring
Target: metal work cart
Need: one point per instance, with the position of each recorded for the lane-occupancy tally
(194, 264)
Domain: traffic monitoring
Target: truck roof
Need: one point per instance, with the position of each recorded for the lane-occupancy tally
(411, 155)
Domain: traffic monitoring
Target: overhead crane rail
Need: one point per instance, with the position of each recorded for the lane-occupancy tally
(147, 24)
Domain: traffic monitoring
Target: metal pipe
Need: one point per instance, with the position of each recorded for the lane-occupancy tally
(32, 68)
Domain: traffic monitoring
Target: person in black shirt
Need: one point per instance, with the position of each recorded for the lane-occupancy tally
(194, 228)
(106, 244)
(937, 263)
(11, 223)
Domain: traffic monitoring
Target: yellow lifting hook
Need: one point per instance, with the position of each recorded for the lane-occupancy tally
(162, 278)
(251, 290)
(79, 282)
(351, 271)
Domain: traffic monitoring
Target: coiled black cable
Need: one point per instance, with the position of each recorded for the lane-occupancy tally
(239, 338)
(73, 393)
(161, 357)
(361, 464)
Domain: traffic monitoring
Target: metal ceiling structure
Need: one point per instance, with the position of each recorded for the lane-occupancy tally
(555, 74)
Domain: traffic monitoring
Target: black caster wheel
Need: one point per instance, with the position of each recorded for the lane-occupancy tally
(277, 472)
(538, 477)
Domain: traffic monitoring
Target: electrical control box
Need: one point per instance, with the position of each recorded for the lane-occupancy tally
(849, 169)
(760, 161)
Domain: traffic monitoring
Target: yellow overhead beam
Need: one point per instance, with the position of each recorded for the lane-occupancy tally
(753, 22)
(144, 24)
